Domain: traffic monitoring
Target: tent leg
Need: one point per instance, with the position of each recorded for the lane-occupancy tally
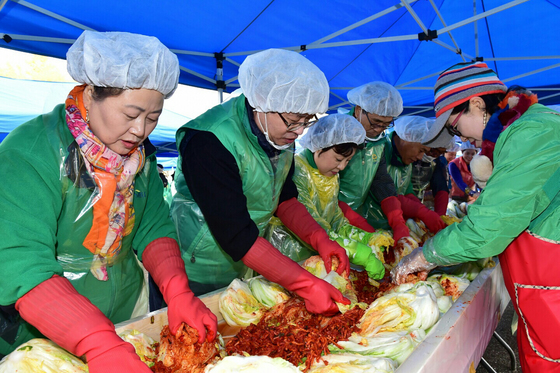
(509, 350)
(487, 366)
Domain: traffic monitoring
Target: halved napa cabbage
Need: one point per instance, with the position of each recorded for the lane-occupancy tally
(41, 355)
(444, 302)
(316, 266)
(238, 305)
(143, 344)
(393, 345)
(251, 364)
(415, 308)
(352, 363)
(452, 285)
(267, 293)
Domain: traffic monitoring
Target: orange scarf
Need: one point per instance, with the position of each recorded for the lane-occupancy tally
(113, 209)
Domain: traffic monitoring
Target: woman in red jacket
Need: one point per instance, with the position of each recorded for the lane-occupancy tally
(462, 183)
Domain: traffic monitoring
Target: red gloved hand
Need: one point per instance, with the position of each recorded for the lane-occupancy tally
(391, 207)
(413, 208)
(295, 216)
(354, 218)
(162, 259)
(70, 320)
(319, 296)
(441, 199)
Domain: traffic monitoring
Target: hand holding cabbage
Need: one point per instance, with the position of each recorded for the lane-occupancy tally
(412, 263)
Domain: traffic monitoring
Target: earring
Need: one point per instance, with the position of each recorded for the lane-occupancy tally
(484, 119)
(87, 116)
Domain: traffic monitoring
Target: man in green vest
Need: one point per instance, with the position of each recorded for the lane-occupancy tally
(402, 148)
(365, 181)
(235, 172)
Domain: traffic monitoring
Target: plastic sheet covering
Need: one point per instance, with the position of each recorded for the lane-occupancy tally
(459, 339)
(286, 242)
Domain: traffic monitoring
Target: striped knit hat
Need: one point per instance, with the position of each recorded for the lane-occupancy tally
(454, 86)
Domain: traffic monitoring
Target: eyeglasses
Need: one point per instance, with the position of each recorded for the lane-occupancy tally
(297, 125)
(453, 127)
(379, 123)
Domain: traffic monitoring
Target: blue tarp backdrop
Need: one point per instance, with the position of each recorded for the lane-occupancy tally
(23, 100)
(406, 43)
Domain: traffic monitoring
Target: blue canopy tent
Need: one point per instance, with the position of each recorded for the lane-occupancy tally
(23, 100)
(406, 43)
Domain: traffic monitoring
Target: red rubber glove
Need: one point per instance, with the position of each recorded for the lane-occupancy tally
(162, 258)
(441, 199)
(354, 218)
(391, 207)
(70, 320)
(319, 295)
(295, 216)
(413, 208)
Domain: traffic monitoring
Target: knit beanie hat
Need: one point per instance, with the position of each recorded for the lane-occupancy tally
(454, 86)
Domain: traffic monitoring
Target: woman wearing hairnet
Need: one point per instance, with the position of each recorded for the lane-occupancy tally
(328, 146)
(463, 185)
(86, 201)
(235, 171)
(403, 147)
(365, 184)
(517, 214)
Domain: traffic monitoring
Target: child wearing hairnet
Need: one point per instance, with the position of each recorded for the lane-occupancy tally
(87, 205)
(328, 146)
(235, 172)
(402, 148)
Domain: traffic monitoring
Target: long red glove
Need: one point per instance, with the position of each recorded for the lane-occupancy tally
(70, 320)
(162, 259)
(295, 216)
(319, 295)
(413, 208)
(441, 199)
(392, 209)
(354, 218)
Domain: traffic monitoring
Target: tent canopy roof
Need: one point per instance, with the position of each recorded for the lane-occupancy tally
(352, 42)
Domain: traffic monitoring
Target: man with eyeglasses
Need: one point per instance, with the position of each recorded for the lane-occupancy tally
(235, 171)
(365, 183)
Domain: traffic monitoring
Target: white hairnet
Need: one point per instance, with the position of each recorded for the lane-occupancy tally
(467, 145)
(283, 81)
(333, 130)
(377, 98)
(454, 145)
(123, 60)
(412, 128)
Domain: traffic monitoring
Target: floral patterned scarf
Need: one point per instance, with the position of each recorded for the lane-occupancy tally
(113, 210)
(514, 105)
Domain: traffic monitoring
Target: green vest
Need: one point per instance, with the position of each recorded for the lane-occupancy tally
(356, 181)
(402, 176)
(356, 178)
(43, 171)
(262, 180)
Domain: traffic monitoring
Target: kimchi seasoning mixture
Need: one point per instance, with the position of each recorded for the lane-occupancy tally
(289, 331)
(182, 353)
(451, 288)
